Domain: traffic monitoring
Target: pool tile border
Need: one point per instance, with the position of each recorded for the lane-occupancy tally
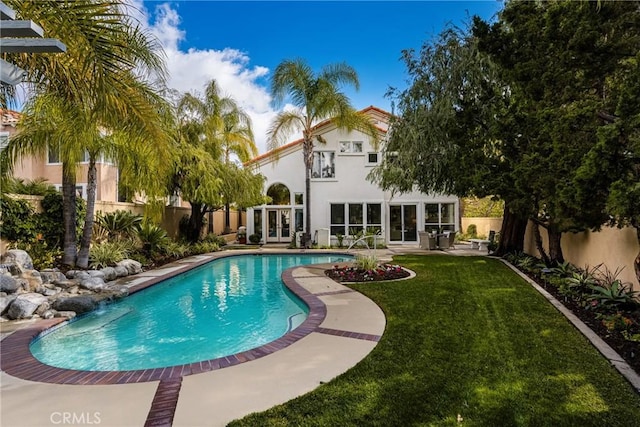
(17, 360)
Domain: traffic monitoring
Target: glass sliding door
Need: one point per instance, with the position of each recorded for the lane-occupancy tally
(402, 223)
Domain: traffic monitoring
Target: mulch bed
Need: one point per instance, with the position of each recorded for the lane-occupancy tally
(354, 274)
(628, 350)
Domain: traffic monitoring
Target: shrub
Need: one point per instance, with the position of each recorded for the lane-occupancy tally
(254, 238)
(177, 249)
(50, 220)
(214, 238)
(152, 237)
(18, 224)
(367, 262)
(340, 238)
(472, 231)
(117, 225)
(616, 296)
(34, 187)
(41, 254)
(204, 247)
(107, 254)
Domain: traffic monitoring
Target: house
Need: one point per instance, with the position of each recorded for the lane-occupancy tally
(343, 201)
(49, 166)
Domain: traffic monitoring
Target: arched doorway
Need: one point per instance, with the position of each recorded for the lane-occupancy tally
(279, 214)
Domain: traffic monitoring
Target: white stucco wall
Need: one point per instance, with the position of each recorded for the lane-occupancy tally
(350, 184)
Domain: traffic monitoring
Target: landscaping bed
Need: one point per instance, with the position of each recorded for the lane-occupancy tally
(358, 274)
(604, 303)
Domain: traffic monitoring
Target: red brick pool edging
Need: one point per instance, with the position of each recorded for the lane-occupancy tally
(16, 358)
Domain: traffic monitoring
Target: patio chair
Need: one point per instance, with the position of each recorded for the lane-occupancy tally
(452, 239)
(443, 241)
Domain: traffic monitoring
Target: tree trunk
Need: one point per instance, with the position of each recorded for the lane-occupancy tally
(539, 245)
(555, 249)
(87, 232)
(308, 162)
(69, 215)
(511, 233)
(227, 218)
(195, 222)
(636, 262)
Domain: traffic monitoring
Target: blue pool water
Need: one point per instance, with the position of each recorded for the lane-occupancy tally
(227, 306)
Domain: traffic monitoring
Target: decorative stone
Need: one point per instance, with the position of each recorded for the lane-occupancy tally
(109, 274)
(5, 301)
(67, 314)
(65, 284)
(79, 304)
(132, 266)
(25, 305)
(96, 274)
(49, 314)
(51, 275)
(18, 257)
(121, 271)
(45, 306)
(94, 284)
(8, 284)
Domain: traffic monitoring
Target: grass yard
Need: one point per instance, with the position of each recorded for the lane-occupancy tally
(469, 343)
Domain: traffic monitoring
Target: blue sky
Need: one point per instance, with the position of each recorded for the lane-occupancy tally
(240, 43)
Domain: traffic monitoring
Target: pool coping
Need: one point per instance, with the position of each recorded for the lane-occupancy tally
(16, 358)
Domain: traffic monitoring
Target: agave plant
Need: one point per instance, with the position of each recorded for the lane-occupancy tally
(618, 295)
(153, 237)
(117, 225)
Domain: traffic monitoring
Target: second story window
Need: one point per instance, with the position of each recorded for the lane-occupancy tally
(53, 154)
(350, 147)
(324, 165)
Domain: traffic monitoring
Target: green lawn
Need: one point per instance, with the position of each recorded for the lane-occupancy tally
(467, 337)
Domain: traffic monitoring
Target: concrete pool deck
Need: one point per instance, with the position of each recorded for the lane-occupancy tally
(349, 329)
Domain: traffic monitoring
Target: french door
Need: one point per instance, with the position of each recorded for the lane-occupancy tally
(278, 225)
(403, 223)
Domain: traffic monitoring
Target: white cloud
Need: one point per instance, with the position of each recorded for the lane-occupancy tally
(190, 71)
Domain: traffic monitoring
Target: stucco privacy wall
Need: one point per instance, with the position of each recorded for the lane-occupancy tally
(613, 247)
(483, 225)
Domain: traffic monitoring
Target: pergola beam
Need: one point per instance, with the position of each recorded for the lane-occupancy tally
(6, 12)
(10, 74)
(32, 46)
(20, 29)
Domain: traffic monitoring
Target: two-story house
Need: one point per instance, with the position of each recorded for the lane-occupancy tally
(343, 201)
(49, 165)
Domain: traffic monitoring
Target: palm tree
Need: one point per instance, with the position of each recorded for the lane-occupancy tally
(103, 81)
(316, 97)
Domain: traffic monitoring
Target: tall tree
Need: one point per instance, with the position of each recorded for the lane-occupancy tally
(209, 130)
(236, 138)
(455, 131)
(560, 98)
(314, 97)
(103, 80)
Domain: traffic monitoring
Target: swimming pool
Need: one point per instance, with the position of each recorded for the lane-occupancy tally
(227, 306)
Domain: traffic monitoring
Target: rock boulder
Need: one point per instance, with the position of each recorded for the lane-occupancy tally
(25, 305)
(79, 304)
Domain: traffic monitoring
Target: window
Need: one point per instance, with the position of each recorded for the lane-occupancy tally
(337, 219)
(299, 200)
(4, 140)
(279, 194)
(439, 216)
(323, 164)
(299, 220)
(81, 190)
(257, 222)
(374, 217)
(53, 154)
(355, 221)
(372, 158)
(350, 146)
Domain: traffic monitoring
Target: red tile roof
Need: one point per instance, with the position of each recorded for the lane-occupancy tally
(319, 125)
